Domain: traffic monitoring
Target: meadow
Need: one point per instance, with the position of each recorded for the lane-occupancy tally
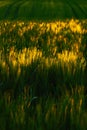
(43, 71)
(43, 65)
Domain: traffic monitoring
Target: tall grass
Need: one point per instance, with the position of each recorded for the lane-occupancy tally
(43, 75)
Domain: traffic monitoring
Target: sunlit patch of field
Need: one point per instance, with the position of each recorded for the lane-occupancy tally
(53, 42)
(43, 70)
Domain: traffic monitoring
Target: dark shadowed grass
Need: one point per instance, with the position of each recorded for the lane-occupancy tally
(43, 97)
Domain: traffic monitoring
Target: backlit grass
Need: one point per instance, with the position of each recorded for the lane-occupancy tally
(43, 70)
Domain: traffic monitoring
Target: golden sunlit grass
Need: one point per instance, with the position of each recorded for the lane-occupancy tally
(43, 75)
(58, 30)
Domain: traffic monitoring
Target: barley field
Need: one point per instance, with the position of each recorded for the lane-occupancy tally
(43, 66)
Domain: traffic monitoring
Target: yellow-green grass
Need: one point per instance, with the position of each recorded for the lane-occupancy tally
(43, 70)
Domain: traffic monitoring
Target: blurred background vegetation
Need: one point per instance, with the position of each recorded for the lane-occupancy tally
(43, 10)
